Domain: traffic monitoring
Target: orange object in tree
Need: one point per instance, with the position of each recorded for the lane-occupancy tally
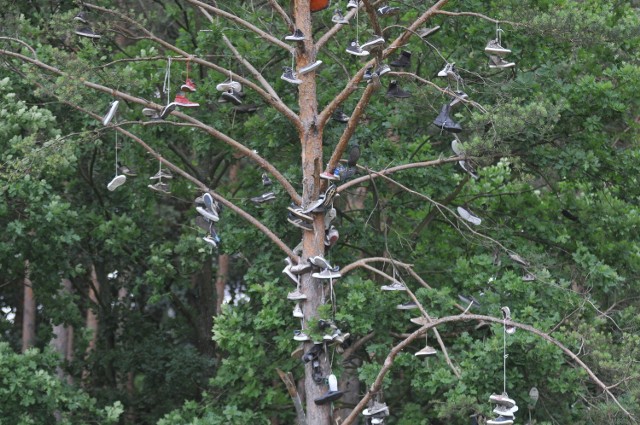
(317, 5)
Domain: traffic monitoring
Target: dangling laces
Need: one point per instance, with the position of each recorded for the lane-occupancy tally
(116, 154)
(166, 86)
(159, 171)
(505, 355)
(499, 32)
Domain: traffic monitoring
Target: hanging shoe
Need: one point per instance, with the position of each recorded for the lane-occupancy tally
(300, 268)
(326, 274)
(296, 36)
(340, 116)
(332, 394)
(160, 187)
(151, 113)
(496, 62)
(208, 213)
(167, 110)
(500, 420)
(403, 61)
(87, 32)
(210, 240)
(448, 69)
(181, 100)
(459, 97)
(297, 311)
(456, 147)
(116, 182)
(354, 155)
(265, 197)
(355, 49)
(426, 32)
(123, 169)
(444, 121)
(375, 42)
(426, 351)
(469, 301)
(329, 176)
(296, 295)
(300, 336)
(494, 48)
(246, 109)
(113, 108)
(162, 174)
(469, 169)
(266, 181)
(188, 86)
(529, 277)
(232, 96)
(344, 173)
(338, 18)
(409, 305)
(467, 216)
(395, 91)
(420, 321)
(320, 262)
(310, 67)
(382, 69)
(518, 259)
(505, 411)
(376, 408)
(229, 85)
(388, 11)
(367, 73)
(297, 211)
(299, 223)
(352, 4)
(289, 76)
(331, 237)
(81, 17)
(502, 399)
(395, 286)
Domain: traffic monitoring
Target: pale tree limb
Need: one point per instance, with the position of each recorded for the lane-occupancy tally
(251, 69)
(388, 362)
(373, 17)
(333, 31)
(350, 128)
(280, 11)
(374, 174)
(477, 15)
(263, 163)
(424, 313)
(287, 379)
(273, 101)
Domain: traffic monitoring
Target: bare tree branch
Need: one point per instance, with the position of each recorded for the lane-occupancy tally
(388, 362)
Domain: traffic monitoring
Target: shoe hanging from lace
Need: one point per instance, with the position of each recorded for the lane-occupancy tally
(116, 153)
(166, 86)
(499, 32)
(159, 171)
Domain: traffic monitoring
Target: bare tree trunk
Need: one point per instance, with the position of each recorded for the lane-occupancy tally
(60, 341)
(28, 311)
(91, 320)
(221, 280)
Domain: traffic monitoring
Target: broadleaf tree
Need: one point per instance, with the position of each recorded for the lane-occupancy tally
(534, 209)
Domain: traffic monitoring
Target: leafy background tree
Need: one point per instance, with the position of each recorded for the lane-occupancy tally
(555, 145)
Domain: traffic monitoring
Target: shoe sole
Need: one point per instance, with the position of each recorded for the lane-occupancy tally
(116, 182)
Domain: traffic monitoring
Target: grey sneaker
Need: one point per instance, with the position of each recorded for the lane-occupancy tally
(338, 18)
(426, 32)
(518, 259)
(494, 48)
(420, 321)
(395, 286)
(265, 197)
(210, 240)
(300, 336)
(409, 305)
(403, 61)
(382, 69)
(232, 96)
(388, 11)
(310, 67)
(395, 91)
(467, 216)
(113, 108)
(296, 36)
(499, 63)
(207, 213)
(289, 76)
(500, 420)
(87, 32)
(160, 187)
(502, 399)
(297, 311)
(299, 223)
(301, 268)
(116, 182)
(123, 169)
(229, 85)
(320, 262)
(355, 49)
(327, 274)
(376, 408)
(469, 169)
(426, 351)
(296, 295)
(352, 4)
(298, 212)
(162, 174)
(376, 41)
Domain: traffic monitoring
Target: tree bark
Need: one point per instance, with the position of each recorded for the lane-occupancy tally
(91, 321)
(61, 333)
(28, 311)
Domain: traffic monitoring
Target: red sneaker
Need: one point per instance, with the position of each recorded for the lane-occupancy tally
(188, 85)
(181, 100)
